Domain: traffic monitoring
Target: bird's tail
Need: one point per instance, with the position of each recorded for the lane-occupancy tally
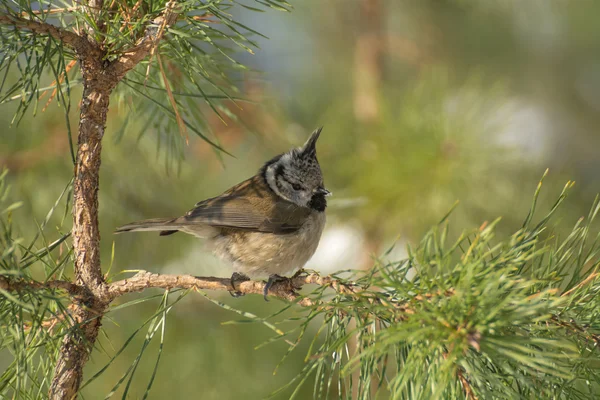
(166, 226)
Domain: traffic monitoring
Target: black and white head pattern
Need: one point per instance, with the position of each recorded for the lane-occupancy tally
(296, 175)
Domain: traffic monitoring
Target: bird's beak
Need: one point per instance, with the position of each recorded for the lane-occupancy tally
(322, 190)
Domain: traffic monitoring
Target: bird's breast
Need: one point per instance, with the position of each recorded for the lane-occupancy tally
(259, 255)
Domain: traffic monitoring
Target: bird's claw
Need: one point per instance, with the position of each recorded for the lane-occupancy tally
(236, 276)
(272, 279)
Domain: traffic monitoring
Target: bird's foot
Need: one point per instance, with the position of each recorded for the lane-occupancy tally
(273, 279)
(236, 276)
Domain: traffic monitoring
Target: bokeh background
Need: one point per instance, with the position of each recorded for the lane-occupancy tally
(423, 103)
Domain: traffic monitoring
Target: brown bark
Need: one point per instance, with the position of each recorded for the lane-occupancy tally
(284, 289)
(87, 307)
(86, 234)
(88, 311)
(99, 80)
(71, 39)
(74, 353)
(21, 285)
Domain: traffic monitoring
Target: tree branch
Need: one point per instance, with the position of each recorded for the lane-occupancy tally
(285, 289)
(13, 285)
(88, 312)
(71, 39)
(146, 45)
(577, 329)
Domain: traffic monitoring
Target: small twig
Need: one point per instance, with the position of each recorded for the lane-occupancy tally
(460, 374)
(584, 282)
(206, 18)
(574, 327)
(58, 83)
(178, 118)
(465, 384)
(14, 285)
(146, 45)
(50, 323)
(69, 38)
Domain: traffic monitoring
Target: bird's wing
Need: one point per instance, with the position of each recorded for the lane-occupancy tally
(248, 206)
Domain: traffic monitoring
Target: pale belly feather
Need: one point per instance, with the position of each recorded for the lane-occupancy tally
(259, 255)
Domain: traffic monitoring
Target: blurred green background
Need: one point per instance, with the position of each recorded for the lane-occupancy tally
(423, 103)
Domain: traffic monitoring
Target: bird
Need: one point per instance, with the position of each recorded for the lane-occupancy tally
(267, 226)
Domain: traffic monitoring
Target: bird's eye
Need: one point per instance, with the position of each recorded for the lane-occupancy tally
(295, 186)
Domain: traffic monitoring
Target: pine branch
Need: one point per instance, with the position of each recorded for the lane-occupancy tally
(20, 285)
(70, 39)
(286, 290)
(372, 303)
(147, 44)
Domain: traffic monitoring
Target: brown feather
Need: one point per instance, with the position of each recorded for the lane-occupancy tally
(250, 206)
